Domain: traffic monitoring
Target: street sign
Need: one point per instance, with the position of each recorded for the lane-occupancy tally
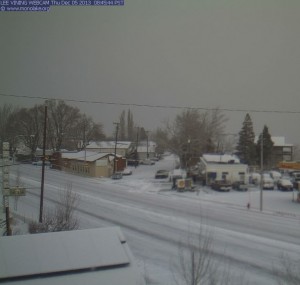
(14, 191)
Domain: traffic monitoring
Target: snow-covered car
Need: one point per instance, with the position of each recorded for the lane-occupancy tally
(285, 184)
(161, 174)
(268, 182)
(254, 178)
(155, 158)
(117, 175)
(127, 171)
(275, 175)
(147, 162)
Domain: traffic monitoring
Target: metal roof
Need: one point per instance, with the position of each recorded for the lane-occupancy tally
(92, 256)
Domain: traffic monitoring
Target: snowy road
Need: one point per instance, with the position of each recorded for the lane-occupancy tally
(155, 219)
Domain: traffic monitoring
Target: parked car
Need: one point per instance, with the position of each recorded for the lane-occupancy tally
(117, 175)
(254, 178)
(221, 185)
(285, 184)
(161, 174)
(239, 186)
(155, 158)
(127, 171)
(295, 179)
(275, 175)
(147, 162)
(268, 182)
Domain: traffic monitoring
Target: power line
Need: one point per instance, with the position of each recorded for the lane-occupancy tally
(153, 106)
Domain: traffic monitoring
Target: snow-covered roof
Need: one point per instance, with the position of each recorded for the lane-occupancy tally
(84, 155)
(91, 256)
(108, 144)
(220, 158)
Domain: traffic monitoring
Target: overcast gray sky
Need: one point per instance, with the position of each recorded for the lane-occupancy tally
(234, 54)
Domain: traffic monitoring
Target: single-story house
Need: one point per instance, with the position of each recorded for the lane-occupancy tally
(90, 256)
(222, 167)
(90, 163)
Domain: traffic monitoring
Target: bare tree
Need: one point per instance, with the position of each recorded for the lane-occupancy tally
(193, 133)
(62, 217)
(7, 123)
(69, 128)
(287, 272)
(196, 262)
(62, 119)
(30, 127)
(160, 136)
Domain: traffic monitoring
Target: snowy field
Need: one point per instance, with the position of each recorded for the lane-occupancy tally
(155, 218)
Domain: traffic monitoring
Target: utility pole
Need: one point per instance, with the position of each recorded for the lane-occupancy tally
(7, 190)
(136, 149)
(188, 157)
(261, 170)
(147, 133)
(84, 142)
(116, 141)
(43, 166)
(5, 186)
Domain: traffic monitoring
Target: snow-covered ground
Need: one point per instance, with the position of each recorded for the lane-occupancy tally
(142, 180)
(155, 218)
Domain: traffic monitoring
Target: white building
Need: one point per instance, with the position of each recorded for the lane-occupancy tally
(222, 167)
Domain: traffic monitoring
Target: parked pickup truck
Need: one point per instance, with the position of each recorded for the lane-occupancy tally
(221, 185)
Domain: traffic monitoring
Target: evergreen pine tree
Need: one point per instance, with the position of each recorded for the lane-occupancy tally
(246, 144)
(267, 147)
